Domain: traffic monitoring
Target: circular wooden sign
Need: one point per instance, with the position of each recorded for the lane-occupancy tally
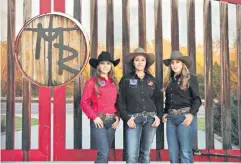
(52, 49)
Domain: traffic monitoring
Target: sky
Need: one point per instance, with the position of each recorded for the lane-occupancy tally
(134, 19)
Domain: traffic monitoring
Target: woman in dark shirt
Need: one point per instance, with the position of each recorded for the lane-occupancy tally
(139, 106)
(181, 106)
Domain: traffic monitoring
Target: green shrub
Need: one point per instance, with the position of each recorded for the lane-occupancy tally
(3, 125)
(234, 115)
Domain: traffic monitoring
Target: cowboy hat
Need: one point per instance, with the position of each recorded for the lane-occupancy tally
(104, 56)
(150, 58)
(177, 55)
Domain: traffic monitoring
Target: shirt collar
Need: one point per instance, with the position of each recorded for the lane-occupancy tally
(109, 79)
(177, 78)
(134, 75)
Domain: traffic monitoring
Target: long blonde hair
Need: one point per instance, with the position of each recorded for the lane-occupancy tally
(111, 74)
(185, 76)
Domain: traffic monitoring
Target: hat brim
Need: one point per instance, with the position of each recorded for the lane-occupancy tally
(94, 62)
(150, 58)
(187, 60)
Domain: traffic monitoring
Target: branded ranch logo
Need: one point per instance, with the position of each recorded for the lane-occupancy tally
(52, 49)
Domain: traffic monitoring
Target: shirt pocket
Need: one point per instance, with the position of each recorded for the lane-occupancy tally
(132, 91)
(150, 90)
(183, 92)
(133, 86)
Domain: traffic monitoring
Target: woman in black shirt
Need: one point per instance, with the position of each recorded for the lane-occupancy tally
(139, 106)
(181, 106)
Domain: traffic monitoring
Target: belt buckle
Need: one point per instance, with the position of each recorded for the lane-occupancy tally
(143, 113)
(102, 116)
(173, 111)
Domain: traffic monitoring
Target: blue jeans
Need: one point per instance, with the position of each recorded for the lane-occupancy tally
(194, 129)
(179, 139)
(139, 140)
(104, 138)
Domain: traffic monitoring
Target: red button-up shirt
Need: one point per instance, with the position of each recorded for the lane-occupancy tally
(104, 103)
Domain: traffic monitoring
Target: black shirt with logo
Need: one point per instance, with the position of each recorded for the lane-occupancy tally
(138, 95)
(177, 98)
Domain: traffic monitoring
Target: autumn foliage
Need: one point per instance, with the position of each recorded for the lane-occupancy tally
(119, 69)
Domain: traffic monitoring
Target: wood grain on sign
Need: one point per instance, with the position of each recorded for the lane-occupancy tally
(58, 50)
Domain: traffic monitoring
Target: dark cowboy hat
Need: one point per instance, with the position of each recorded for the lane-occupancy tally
(150, 58)
(177, 55)
(104, 56)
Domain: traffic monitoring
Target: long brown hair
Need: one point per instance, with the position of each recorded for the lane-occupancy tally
(185, 76)
(111, 74)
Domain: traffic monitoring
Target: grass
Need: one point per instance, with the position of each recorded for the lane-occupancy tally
(18, 122)
(201, 123)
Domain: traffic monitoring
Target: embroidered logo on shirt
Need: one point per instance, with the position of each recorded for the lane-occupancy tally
(133, 82)
(150, 83)
(102, 83)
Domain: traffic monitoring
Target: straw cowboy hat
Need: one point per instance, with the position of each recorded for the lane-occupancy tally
(150, 58)
(177, 55)
(104, 56)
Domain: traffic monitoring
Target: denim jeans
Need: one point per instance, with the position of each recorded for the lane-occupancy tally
(104, 138)
(179, 139)
(194, 130)
(139, 140)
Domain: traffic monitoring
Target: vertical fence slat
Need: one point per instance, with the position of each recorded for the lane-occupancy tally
(10, 114)
(125, 47)
(44, 102)
(77, 90)
(110, 27)
(125, 31)
(93, 43)
(159, 70)
(225, 77)
(78, 9)
(142, 23)
(27, 90)
(110, 36)
(208, 74)
(174, 25)
(191, 37)
(238, 16)
(191, 46)
(59, 104)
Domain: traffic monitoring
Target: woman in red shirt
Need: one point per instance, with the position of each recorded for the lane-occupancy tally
(98, 103)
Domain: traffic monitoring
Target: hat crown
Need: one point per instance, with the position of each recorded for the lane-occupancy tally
(139, 50)
(104, 56)
(176, 54)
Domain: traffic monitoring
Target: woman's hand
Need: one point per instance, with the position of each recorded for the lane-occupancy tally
(131, 123)
(164, 118)
(157, 122)
(98, 122)
(188, 119)
(115, 124)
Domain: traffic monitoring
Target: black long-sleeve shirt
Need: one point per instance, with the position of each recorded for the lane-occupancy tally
(177, 98)
(136, 95)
